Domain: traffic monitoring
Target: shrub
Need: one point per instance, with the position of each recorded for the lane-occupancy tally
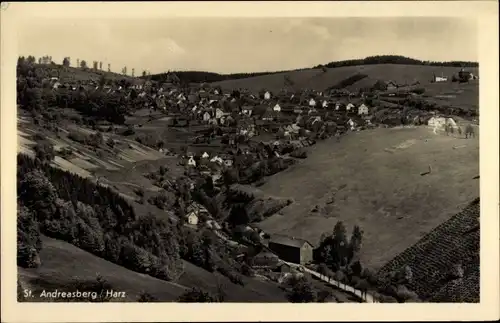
(44, 151)
(196, 295)
(301, 291)
(145, 297)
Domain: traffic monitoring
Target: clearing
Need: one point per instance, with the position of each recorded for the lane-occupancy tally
(358, 181)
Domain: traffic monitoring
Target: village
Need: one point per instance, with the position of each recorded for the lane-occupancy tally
(225, 144)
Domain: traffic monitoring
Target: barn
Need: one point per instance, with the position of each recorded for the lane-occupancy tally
(291, 249)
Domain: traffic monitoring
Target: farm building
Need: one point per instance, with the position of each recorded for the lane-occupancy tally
(291, 249)
(192, 219)
(362, 109)
(267, 95)
(266, 259)
(349, 107)
(312, 102)
(277, 108)
(194, 211)
(441, 78)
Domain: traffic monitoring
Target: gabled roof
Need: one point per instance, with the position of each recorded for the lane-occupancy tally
(288, 241)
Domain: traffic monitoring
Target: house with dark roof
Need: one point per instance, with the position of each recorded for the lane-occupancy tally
(291, 249)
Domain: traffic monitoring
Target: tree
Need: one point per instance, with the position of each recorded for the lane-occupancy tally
(100, 65)
(29, 242)
(145, 297)
(66, 62)
(196, 295)
(83, 64)
(133, 72)
(356, 240)
(144, 73)
(109, 67)
(44, 152)
(469, 131)
(301, 291)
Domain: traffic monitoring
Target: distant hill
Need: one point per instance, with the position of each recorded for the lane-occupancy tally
(210, 77)
(322, 79)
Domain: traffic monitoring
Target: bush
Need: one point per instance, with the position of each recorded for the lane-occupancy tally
(301, 291)
(44, 151)
(196, 295)
(145, 297)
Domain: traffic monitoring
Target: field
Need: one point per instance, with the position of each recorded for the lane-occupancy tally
(373, 179)
(63, 265)
(318, 80)
(432, 258)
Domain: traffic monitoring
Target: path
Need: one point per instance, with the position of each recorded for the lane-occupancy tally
(365, 297)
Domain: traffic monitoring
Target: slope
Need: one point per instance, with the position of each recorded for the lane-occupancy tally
(64, 265)
(373, 179)
(456, 241)
(318, 80)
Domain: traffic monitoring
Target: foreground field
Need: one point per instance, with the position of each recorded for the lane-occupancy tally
(373, 179)
(319, 80)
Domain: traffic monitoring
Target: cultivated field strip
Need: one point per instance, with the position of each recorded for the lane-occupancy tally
(455, 241)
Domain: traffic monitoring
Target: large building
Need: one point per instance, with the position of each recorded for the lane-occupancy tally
(291, 249)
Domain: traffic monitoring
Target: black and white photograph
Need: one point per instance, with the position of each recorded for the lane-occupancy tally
(297, 159)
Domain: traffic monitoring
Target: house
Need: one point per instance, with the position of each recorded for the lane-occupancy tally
(441, 78)
(192, 219)
(247, 110)
(277, 108)
(291, 249)
(390, 86)
(349, 107)
(312, 102)
(206, 116)
(194, 211)
(362, 109)
(437, 123)
(191, 162)
(218, 113)
(265, 259)
(324, 104)
(267, 95)
(217, 159)
(351, 124)
(205, 155)
(56, 85)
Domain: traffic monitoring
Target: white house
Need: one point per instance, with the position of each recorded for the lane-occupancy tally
(362, 109)
(312, 102)
(441, 78)
(267, 95)
(206, 116)
(216, 159)
(324, 104)
(277, 108)
(349, 107)
(351, 124)
(218, 113)
(192, 219)
(191, 161)
(205, 155)
(247, 111)
(337, 106)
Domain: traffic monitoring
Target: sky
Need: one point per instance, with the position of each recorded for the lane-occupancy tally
(232, 45)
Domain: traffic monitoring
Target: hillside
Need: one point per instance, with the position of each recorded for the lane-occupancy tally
(319, 79)
(432, 260)
(373, 179)
(64, 265)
